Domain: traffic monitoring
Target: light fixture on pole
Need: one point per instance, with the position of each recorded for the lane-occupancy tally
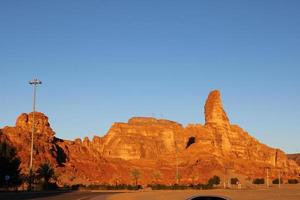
(177, 170)
(34, 82)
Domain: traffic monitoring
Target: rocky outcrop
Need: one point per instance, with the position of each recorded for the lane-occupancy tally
(151, 145)
(214, 112)
(42, 126)
(295, 157)
(141, 138)
(45, 143)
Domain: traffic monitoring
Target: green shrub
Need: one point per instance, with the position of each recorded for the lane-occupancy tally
(107, 187)
(203, 186)
(9, 166)
(293, 181)
(259, 181)
(77, 186)
(158, 187)
(215, 180)
(276, 181)
(234, 181)
(180, 187)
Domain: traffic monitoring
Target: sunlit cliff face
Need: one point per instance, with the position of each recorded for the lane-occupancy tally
(151, 145)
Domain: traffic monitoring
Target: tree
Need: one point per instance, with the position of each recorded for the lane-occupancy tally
(46, 173)
(194, 175)
(234, 181)
(259, 181)
(156, 176)
(215, 180)
(9, 166)
(135, 174)
(116, 180)
(30, 179)
(276, 181)
(293, 181)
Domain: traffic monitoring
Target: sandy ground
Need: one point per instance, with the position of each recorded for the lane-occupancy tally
(286, 192)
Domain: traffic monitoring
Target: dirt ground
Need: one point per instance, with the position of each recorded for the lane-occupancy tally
(286, 192)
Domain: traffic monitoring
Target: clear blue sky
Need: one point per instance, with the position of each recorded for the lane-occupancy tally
(106, 61)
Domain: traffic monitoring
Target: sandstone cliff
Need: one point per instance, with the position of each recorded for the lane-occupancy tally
(295, 157)
(152, 145)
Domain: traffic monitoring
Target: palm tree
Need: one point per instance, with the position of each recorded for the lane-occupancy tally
(157, 176)
(135, 174)
(46, 173)
(9, 166)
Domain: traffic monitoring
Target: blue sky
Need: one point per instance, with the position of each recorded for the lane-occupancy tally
(106, 61)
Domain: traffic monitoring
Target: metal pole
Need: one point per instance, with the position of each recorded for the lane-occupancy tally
(267, 177)
(225, 178)
(33, 126)
(279, 178)
(34, 82)
(177, 171)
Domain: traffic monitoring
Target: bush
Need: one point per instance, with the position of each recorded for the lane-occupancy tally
(293, 181)
(76, 186)
(180, 187)
(259, 181)
(9, 166)
(234, 181)
(203, 186)
(106, 187)
(276, 181)
(215, 180)
(46, 186)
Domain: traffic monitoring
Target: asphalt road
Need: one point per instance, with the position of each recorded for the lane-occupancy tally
(58, 195)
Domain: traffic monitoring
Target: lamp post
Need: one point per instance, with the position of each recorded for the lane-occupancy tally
(177, 170)
(267, 181)
(279, 177)
(34, 82)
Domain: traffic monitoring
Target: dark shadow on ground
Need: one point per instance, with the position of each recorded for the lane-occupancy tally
(30, 195)
(52, 195)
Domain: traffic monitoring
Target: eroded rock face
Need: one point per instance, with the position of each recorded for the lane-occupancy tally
(214, 112)
(295, 157)
(45, 146)
(151, 145)
(42, 125)
(141, 138)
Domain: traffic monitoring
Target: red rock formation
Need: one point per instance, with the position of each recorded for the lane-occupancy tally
(295, 157)
(214, 112)
(152, 145)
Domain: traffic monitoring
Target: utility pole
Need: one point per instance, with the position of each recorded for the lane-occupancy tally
(267, 177)
(225, 177)
(34, 82)
(177, 170)
(279, 178)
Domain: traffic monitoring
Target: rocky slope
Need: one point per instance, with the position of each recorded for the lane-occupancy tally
(295, 157)
(153, 146)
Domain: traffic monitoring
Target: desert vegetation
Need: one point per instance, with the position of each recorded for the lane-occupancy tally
(293, 181)
(276, 181)
(9, 167)
(258, 181)
(43, 178)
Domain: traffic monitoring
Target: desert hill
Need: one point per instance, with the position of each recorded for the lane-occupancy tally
(295, 157)
(153, 146)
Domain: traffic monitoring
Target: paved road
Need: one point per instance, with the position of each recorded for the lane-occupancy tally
(286, 192)
(68, 195)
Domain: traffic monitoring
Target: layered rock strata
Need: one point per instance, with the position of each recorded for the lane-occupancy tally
(153, 146)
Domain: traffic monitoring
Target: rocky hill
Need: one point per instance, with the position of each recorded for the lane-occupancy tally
(295, 157)
(153, 146)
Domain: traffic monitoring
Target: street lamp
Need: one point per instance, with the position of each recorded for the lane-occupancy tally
(267, 181)
(177, 170)
(34, 82)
